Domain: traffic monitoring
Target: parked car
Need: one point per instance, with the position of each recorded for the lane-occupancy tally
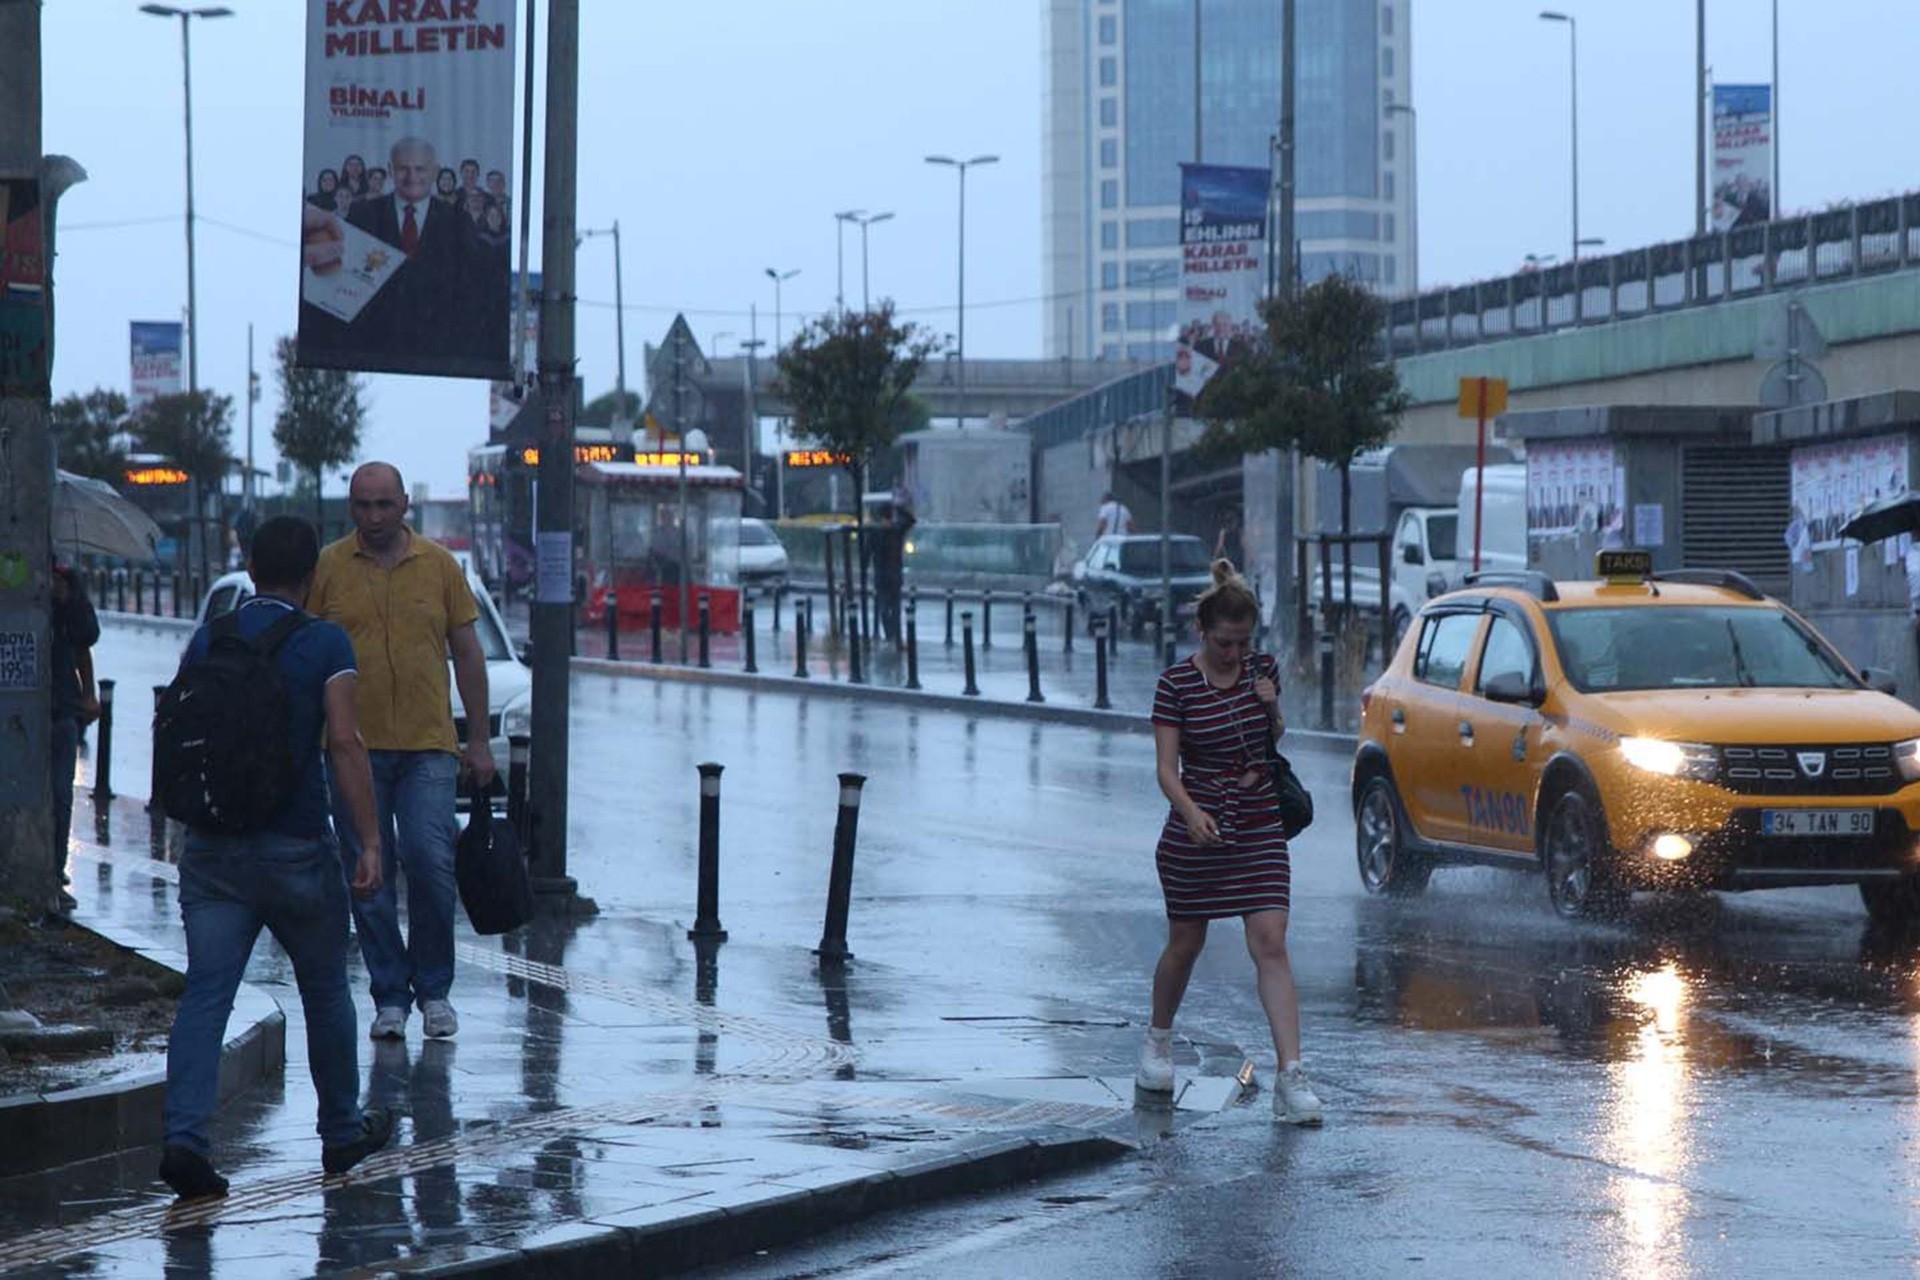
(1650, 731)
(1123, 571)
(763, 560)
(509, 683)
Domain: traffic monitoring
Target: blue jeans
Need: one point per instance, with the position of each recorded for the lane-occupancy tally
(66, 748)
(231, 886)
(413, 793)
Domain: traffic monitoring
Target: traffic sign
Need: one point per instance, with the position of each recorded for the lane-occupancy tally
(1472, 403)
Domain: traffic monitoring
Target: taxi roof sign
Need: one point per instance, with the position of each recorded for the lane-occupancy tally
(1626, 566)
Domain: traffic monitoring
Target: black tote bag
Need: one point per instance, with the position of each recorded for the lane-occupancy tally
(490, 871)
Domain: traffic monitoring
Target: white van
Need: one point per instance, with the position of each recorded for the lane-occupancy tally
(1503, 520)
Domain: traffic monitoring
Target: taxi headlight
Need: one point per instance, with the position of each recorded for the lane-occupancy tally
(1906, 757)
(1671, 759)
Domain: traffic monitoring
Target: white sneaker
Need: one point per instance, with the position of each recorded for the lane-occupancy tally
(389, 1023)
(1294, 1101)
(1155, 1073)
(438, 1019)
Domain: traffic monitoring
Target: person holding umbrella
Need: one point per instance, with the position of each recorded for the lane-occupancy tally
(75, 629)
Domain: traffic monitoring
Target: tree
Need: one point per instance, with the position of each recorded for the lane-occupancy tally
(1318, 383)
(318, 425)
(846, 377)
(91, 433)
(192, 430)
(600, 411)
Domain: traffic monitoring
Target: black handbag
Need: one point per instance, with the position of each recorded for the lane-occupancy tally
(1296, 802)
(490, 871)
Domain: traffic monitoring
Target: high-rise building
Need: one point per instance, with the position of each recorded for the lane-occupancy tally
(1119, 121)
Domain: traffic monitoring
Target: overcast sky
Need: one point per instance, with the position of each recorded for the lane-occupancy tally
(725, 144)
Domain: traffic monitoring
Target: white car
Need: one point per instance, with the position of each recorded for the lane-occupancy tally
(509, 683)
(763, 560)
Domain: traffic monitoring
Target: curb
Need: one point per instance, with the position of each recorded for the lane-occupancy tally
(915, 699)
(45, 1131)
(666, 1238)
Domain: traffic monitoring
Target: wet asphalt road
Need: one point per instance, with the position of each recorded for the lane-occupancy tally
(1712, 1086)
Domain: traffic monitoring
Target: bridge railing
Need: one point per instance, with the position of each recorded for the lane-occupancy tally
(1853, 240)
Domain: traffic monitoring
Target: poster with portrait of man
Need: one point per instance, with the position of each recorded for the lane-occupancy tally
(1223, 271)
(405, 202)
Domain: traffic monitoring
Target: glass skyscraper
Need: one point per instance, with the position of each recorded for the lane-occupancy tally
(1119, 121)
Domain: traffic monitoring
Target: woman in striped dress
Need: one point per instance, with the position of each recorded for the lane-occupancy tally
(1222, 851)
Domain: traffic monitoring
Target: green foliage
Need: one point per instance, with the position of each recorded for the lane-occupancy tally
(91, 433)
(193, 430)
(321, 412)
(1318, 383)
(600, 411)
(847, 377)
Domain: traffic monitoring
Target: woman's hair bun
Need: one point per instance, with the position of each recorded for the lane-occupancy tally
(1224, 572)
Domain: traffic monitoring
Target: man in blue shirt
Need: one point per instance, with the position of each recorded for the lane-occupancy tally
(285, 877)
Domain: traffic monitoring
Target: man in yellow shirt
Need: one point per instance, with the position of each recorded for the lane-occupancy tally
(405, 603)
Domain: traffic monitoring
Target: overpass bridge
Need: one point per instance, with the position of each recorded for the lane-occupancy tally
(1007, 389)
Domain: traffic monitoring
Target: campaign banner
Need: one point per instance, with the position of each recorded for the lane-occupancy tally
(25, 354)
(154, 347)
(1223, 271)
(406, 194)
(1742, 155)
(1575, 488)
(1830, 483)
(503, 397)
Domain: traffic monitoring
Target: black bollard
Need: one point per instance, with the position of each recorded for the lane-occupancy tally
(1113, 630)
(178, 608)
(103, 747)
(800, 639)
(1326, 681)
(949, 641)
(153, 774)
(705, 625)
(1168, 657)
(1066, 645)
(833, 598)
(139, 591)
(854, 674)
(1030, 637)
(1100, 701)
(613, 625)
(779, 599)
(120, 589)
(849, 589)
(966, 638)
(706, 919)
(986, 618)
(518, 750)
(913, 643)
(833, 941)
(653, 622)
(746, 629)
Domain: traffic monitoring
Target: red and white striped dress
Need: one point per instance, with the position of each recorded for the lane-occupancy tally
(1223, 735)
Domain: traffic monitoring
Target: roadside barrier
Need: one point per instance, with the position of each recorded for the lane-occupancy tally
(103, 747)
(833, 939)
(705, 627)
(177, 597)
(1030, 638)
(653, 621)
(140, 592)
(706, 920)
(613, 624)
(1066, 643)
(966, 630)
(1100, 701)
(800, 610)
(949, 640)
(986, 618)
(913, 643)
(519, 749)
(746, 629)
(854, 674)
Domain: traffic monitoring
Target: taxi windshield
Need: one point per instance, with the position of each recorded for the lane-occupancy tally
(1607, 650)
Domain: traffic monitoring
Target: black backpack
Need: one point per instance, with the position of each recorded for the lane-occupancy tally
(223, 756)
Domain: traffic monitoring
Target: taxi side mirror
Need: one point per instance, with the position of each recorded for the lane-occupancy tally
(1880, 679)
(1510, 686)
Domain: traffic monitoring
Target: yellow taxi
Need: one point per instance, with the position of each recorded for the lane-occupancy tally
(1674, 730)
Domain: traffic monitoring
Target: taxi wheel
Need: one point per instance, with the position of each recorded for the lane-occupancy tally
(1574, 849)
(1893, 904)
(1386, 865)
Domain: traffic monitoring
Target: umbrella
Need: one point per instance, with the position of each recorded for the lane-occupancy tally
(90, 515)
(1887, 518)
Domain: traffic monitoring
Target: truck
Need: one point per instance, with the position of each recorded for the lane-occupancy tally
(1422, 495)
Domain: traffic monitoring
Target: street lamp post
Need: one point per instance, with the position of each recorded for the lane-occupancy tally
(841, 220)
(865, 221)
(193, 327)
(1413, 197)
(960, 353)
(619, 330)
(713, 347)
(1573, 97)
(780, 424)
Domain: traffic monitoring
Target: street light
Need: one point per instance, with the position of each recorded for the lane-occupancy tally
(779, 424)
(841, 220)
(713, 347)
(193, 327)
(1573, 97)
(865, 221)
(1413, 197)
(960, 354)
(620, 414)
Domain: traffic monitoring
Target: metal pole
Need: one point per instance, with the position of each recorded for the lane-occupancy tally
(800, 639)
(193, 327)
(746, 630)
(706, 622)
(961, 344)
(1166, 516)
(653, 621)
(833, 940)
(613, 625)
(706, 920)
(553, 588)
(1289, 269)
(518, 751)
(680, 426)
(103, 748)
(1100, 701)
(619, 336)
(1197, 108)
(913, 644)
(972, 689)
(1031, 639)
(253, 396)
(520, 299)
(1700, 121)
(1777, 206)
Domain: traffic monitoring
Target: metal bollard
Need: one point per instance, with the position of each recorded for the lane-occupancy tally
(1168, 655)
(1326, 680)
(913, 644)
(779, 594)
(1113, 630)
(613, 625)
(833, 940)
(966, 634)
(1066, 645)
(854, 675)
(139, 591)
(746, 630)
(177, 597)
(800, 639)
(653, 622)
(120, 589)
(848, 587)
(949, 641)
(103, 747)
(986, 618)
(705, 625)
(833, 598)
(519, 750)
(1030, 637)
(1100, 701)
(706, 919)
(153, 774)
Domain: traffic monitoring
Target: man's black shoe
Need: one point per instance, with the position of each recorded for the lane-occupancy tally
(376, 1129)
(190, 1174)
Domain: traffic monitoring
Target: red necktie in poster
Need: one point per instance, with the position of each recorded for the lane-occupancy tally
(409, 234)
